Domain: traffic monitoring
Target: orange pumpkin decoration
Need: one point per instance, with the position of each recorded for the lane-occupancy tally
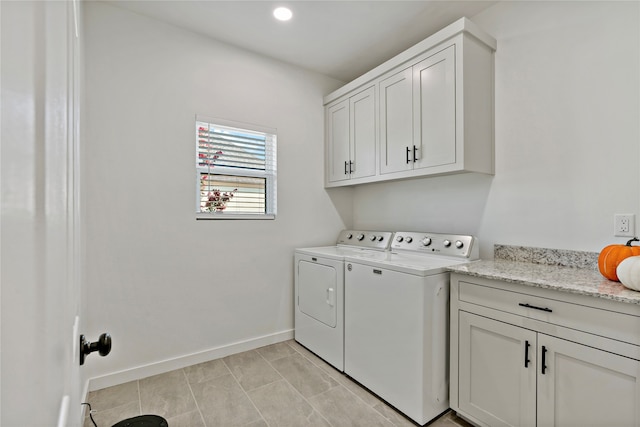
(613, 255)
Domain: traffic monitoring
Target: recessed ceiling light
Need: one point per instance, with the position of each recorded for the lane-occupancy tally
(282, 13)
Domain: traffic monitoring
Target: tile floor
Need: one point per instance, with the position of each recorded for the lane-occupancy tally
(282, 384)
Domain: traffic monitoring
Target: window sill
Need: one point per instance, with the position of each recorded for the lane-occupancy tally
(219, 216)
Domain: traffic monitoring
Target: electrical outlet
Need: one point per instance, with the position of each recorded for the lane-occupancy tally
(624, 225)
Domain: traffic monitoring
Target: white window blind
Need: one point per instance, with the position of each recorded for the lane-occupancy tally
(236, 169)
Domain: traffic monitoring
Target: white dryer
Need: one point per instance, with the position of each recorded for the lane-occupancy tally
(319, 291)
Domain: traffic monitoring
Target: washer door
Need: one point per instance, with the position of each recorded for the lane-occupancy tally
(317, 289)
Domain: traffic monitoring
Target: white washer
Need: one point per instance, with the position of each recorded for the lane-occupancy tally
(319, 291)
(396, 320)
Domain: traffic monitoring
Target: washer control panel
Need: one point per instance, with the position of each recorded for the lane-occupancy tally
(379, 240)
(456, 245)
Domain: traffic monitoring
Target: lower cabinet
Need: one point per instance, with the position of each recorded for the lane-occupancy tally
(528, 369)
(495, 385)
(585, 386)
(511, 376)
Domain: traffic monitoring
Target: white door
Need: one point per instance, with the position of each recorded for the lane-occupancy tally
(363, 133)
(40, 303)
(497, 372)
(396, 122)
(337, 117)
(317, 291)
(319, 307)
(434, 109)
(584, 386)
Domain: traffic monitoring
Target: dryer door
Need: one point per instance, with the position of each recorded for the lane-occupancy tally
(317, 291)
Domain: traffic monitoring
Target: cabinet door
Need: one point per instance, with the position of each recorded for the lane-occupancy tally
(337, 116)
(434, 109)
(363, 133)
(396, 122)
(584, 386)
(496, 386)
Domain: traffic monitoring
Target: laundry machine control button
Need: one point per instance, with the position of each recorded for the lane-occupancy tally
(399, 239)
(426, 241)
(360, 236)
(459, 244)
(446, 243)
(409, 239)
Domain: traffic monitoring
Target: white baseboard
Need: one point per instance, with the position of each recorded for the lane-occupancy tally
(84, 410)
(161, 367)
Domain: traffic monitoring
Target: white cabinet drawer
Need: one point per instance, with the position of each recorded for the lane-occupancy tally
(605, 323)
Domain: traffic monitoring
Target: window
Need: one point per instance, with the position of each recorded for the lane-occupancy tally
(235, 170)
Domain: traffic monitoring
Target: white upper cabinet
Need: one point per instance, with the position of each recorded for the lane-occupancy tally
(362, 122)
(434, 110)
(396, 121)
(433, 113)
(351, 137)
(337, 140)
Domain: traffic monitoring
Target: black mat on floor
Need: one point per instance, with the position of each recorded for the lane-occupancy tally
(143, 421)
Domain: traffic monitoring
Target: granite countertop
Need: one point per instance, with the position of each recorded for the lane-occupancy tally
(550, 274)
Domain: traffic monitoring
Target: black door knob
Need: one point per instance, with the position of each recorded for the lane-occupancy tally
(102, 346)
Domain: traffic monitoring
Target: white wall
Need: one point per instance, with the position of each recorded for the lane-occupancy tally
(163, 284)
(567, 136)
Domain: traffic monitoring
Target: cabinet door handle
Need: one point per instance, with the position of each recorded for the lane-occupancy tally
(537, 308)
(526, 354)
(408, 151)
(351, 168)
(544, 359)
(414, 153)
(345, 168)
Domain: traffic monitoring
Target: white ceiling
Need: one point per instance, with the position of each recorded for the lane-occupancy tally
(341, 39)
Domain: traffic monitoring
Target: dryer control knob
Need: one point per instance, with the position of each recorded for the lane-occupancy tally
(380, 238)
(399, 239)
(426, 241)
(349, 236)
(459, 244)
(360, 236)
(446, 243)
(409, 239)
(373, 238)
